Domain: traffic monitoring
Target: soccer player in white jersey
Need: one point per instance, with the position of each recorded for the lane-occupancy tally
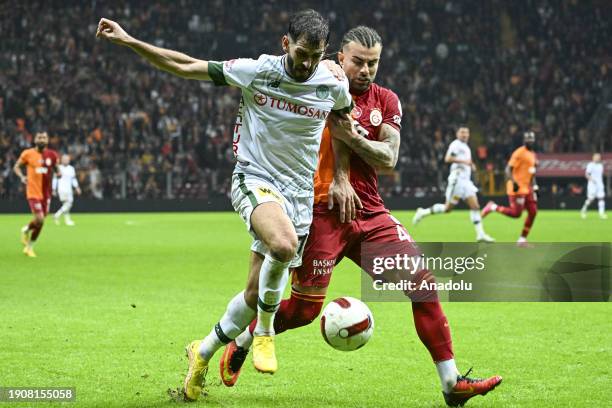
(460, 185)
(285, 102)
(64, 187)
(595, 187)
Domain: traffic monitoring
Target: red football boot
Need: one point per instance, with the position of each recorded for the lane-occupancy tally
(231, 363)
(467, 388)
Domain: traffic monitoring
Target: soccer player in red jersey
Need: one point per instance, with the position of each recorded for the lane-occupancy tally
(521, 187)
(359, 220)
(40, 162)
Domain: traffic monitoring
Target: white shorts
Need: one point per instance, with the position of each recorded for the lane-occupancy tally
(65, 196)
(248, 191)
(595, 191)
(459, 189)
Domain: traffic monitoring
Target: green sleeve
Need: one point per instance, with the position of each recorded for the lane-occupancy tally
(215, 71)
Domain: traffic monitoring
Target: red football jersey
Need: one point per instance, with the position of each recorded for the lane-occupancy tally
(373, 108)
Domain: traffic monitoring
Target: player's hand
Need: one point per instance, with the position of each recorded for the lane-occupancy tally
(335, 69)
(54, 193)
(473, 166)
(24, 179)
(78, 191)
(111, 31)
(342, 193)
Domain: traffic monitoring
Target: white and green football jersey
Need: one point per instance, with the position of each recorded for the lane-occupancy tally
(280, 121)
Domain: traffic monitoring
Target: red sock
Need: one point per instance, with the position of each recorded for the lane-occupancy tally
(297, 311)
(532, 211)
(35, 228)
(429, 319)
(433, 329)
(512, 211)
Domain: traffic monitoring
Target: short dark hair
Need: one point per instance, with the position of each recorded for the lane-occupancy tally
(310, 25)
(460, 126)
(366, 36)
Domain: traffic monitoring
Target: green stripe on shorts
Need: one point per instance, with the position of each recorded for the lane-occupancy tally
(246, 191)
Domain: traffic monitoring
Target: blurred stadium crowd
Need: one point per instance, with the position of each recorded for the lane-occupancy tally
(136, 132)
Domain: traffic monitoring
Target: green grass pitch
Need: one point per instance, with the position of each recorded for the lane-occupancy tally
(109, 305)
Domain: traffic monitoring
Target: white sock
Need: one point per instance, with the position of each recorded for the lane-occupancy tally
(273, 277)
(601, 206)
(437, 208)
(447, 371)
(586, 204)
(244, 339)
(477, 221)
(237, 316)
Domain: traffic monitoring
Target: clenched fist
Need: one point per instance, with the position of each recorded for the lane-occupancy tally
(111, 31)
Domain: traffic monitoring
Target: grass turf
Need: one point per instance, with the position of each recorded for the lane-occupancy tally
(108, 306)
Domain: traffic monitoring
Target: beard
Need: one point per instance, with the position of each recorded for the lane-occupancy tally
(41, 146)
(360, 85)
(299, 74)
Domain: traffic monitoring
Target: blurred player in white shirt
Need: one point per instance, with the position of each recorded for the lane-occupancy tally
(64, 187)
(595, 187)
(460, 185)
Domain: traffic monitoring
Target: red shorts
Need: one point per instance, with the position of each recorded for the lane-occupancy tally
(520, 201)
(39, 206)
(330, 240)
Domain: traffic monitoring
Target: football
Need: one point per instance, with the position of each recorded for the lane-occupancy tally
(347, 324)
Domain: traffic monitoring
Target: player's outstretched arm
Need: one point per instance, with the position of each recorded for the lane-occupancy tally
(174, 62)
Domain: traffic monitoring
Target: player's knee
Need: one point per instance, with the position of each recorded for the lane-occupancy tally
(283, 248)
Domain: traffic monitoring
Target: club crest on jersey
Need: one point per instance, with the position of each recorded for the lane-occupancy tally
(260, 99)
(356, 112)
(375, 117)
(322, 91)
(48, 161)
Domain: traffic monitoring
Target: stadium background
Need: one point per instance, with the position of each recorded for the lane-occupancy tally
(137, 133)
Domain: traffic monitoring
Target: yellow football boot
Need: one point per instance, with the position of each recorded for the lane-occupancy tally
(196, 375)
(264, 356)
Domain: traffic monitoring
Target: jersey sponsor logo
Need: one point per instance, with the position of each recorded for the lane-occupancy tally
(284, 105)
(375, 117)
(322, 91)
(356, 112)
(260, 99)
(323, 266)
(41, 170)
